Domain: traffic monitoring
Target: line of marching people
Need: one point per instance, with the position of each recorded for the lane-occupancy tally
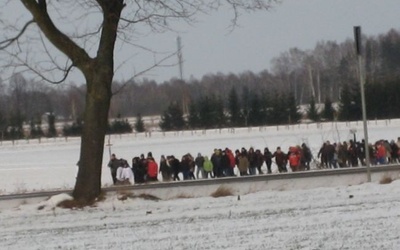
(352, 153)
(222, 163)
(225, 163)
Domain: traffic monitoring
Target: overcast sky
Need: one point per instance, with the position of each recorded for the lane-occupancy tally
(208, 47)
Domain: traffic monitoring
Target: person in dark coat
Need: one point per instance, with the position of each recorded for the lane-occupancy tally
(395, 152)
(343, 155)
(138, 171)
(175, 167)
(280, 160)
(216, 161)
(185, 167)
(322, 155)
(306, 156)
(165, 169)
(225, 164)
(352, 154)
(360, 150)
(259, 161)
(251, 156)
(192, 166)
(114, 164)
(268, 159)
(199, 161)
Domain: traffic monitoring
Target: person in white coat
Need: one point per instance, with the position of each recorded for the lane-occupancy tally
(124, 173)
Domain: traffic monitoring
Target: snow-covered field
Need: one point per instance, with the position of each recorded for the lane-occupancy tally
(30, 166)
(346, 217)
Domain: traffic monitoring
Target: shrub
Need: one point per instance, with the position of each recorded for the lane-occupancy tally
(183, 196)
(222, 192)
(386, 180)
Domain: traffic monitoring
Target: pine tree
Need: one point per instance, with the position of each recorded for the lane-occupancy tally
(329, 112)
(255, 112)
(350, 103)
(16, 121)
(36, 130)
(312, 112)
(293, 111)
(172, 119)
(193, 119)
(3, 126)
(278, 110)
(219, 113)
(139, 124)
(166, 121)
(234, 108)
(207, 114)
(3, 122)
(51, 119)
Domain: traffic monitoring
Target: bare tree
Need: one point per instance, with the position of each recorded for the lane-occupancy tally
(60, 24)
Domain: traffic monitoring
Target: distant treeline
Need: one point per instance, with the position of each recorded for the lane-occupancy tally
(326, 74)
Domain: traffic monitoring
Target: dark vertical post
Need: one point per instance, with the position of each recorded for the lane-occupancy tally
(357, 37)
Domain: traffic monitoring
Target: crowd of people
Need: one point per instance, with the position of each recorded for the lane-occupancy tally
(223, 163)
(352, 153)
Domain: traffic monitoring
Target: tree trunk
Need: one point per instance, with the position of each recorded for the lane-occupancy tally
(98, 97)
(99, 73)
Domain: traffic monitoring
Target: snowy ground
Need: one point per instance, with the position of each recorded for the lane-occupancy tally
(346, 217)
(356, 217)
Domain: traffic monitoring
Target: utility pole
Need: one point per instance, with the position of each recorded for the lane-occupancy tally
(357, 36)
(185, 101)
(180, 57)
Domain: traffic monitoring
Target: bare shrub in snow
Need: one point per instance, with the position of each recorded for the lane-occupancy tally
(222, 192)
(386, 180)
(148, 197)
(183, 196)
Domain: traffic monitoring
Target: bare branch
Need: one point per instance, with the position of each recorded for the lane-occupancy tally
(39, 73)
(7, 42)
(39, 11)
(156, 64)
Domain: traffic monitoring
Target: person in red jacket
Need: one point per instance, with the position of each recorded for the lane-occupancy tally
(294, 158)
(232, 162)
(380, 153)
(152, 170)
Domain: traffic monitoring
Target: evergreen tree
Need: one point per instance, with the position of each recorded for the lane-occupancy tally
(278, 110)
(16, 121)
(36, 128)
(3, 122)
(329, 112)
(51, 119)
(234, 108)
(172, 118)
(3, 126)
(255, 112)
(139, 124)
(266, 105)
(75, 129)
(293, 111)
(166, 121)
(219, 114)
(383, 99)
(207, 114)
(312, 112)
(193, 119)
(350, 104)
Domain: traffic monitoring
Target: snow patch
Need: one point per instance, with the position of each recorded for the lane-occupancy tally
(54, 201)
